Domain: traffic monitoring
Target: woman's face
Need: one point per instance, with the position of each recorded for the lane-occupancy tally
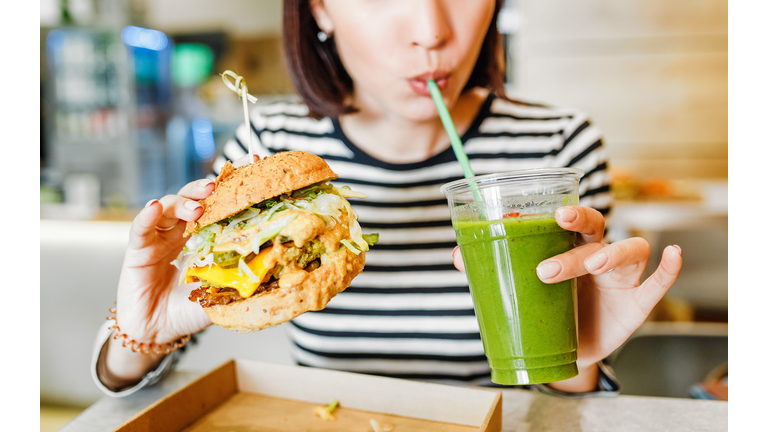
(391, 48)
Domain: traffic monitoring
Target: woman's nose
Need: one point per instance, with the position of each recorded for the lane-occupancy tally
(431, 28)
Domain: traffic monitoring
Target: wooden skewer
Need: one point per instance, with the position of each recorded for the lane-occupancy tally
(241, 90)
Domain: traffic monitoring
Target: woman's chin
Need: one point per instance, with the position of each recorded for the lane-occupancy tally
(420, 109)
(409, 107)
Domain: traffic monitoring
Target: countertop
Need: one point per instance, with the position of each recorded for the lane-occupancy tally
(523, 411)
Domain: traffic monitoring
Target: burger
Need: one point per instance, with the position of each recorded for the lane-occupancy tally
(275, 240)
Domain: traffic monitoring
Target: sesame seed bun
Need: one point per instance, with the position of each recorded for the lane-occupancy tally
(239, 188)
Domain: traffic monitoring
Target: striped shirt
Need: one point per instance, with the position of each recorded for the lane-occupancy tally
(410, 314)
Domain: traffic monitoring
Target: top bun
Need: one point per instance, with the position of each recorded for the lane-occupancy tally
(239, 188)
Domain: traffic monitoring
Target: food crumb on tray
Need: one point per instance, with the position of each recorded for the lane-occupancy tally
(326, 412)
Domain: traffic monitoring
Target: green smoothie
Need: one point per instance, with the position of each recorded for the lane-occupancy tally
(528, 327)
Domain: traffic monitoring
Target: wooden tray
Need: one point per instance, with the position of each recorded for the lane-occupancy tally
(244, 395)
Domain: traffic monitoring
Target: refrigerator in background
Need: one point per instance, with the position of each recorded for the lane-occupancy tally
(108, 97)
(123, 110)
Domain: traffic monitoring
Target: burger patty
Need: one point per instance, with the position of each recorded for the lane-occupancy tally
(209, 296)
(225, 296)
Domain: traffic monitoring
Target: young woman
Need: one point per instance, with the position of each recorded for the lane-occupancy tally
(360, 67)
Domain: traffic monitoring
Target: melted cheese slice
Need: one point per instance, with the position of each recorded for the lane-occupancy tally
(231, 277)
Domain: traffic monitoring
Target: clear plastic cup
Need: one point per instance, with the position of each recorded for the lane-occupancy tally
(505, 226)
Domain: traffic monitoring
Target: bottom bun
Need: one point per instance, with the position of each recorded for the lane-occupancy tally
(271, 308)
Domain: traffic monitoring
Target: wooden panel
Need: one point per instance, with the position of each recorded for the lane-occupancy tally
(652, 74)
(662, 150)
(586, 19)
(628, 46)
(674, 168)
(665, 99)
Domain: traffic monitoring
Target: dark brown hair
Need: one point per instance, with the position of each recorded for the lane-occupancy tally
(325, 86)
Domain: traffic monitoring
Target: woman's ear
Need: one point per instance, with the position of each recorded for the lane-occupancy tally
(321, 16)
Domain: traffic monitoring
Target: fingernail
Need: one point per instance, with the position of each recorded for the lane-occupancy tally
(150, 203)
(567, 214)
(549, 269)
(595, 262)
(453, 253)
(679, 249)
(192, 205)
(205, 182)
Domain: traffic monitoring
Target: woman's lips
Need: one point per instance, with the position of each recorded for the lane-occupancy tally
(419, 83)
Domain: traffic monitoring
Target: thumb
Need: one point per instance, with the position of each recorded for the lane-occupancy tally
(458, 261)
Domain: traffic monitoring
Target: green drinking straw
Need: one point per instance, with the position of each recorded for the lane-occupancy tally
(450, 129)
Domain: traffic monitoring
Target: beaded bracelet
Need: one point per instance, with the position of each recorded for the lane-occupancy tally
(146, 348)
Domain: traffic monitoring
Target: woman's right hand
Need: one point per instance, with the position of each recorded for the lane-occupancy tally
(151, 305)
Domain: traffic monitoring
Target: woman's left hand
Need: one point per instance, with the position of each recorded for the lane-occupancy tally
(612, 300)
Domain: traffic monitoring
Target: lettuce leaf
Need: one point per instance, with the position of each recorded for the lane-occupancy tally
(349, 246)
(322, 199)
(271, 231)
